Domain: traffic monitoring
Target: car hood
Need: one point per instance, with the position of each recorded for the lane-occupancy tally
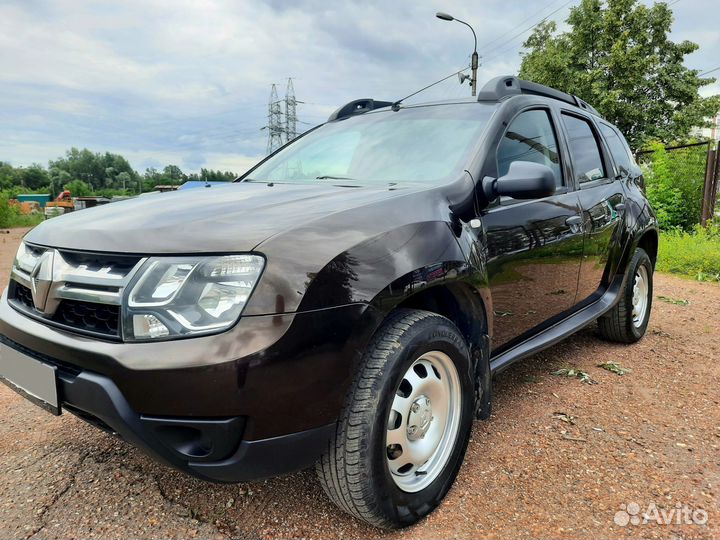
(236, 217)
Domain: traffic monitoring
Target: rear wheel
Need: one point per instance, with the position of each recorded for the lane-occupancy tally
(403, 433)
(628, 320)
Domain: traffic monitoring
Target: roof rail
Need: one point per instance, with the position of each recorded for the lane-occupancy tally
(509, 85)
(359, 106)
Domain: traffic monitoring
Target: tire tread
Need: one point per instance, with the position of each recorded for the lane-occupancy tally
(339, 470)
(615, 324)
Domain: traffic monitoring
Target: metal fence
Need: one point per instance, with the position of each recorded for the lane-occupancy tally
(712, 183)
(695, 171)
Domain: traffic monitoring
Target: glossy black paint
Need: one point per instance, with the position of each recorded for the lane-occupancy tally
(534, 255)
(339, 260)
(285, 373)
(603, 211)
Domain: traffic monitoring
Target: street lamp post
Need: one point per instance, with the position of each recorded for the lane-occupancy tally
(474, 63)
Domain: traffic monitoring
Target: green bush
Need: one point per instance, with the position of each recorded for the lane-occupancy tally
(78, 188)
(674, 184)
(695, 254)
(11, 216)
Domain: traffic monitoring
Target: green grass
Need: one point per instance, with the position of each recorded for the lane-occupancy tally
(692, 254)
(21, 220)
(11, 217)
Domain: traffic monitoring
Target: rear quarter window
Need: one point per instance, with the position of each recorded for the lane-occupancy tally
(585, 153)
(618, 149)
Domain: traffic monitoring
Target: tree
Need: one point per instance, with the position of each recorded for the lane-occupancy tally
(58, 178)
(209, 175)
(174, 174)
(96, 169)
(170, 175)
(34, 177)
(617, 56)
(31, 178)
(84, 172)
(125, 180)
(78, 188)
(8, 176)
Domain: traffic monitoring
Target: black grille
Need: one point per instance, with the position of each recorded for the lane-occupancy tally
(89, 317)
(23, 295)
(94, 262)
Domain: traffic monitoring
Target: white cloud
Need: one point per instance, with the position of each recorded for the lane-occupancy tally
(187, 81)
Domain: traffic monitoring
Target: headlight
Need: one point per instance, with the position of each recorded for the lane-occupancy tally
(26, 258)
(183, 296)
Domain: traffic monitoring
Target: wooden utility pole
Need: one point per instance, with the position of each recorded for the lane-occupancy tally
(716, 182)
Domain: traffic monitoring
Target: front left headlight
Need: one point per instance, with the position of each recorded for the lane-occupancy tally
(188, 296)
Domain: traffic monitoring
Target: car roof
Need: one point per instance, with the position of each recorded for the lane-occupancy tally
(508, 85)
(495, 90)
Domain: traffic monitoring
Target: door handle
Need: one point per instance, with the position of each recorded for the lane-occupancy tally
(573, 220)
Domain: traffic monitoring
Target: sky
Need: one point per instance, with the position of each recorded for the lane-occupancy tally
(187, 82)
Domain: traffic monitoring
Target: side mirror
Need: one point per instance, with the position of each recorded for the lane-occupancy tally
(524, 180)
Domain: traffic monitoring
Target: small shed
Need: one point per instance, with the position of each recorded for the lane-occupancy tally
(41, 198)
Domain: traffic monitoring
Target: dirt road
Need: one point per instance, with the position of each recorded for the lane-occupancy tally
(558, 458)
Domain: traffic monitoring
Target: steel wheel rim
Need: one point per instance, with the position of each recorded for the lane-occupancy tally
(641, 286)
(423, 421)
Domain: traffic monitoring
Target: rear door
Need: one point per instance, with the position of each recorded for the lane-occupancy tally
(534, 247)
(602, 199)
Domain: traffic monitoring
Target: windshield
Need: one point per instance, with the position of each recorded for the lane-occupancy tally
(429, 144)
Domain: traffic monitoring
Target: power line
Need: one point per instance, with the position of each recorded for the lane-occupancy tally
(519, 24)
(528, 28)
(209, 141)
(549, 15)
(455, 74)
(709, 71)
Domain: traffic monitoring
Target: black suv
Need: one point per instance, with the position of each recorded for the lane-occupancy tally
(347, 301)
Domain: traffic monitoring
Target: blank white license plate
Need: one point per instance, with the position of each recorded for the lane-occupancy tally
(32, 379)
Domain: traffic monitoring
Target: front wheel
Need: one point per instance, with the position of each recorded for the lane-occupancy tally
(402, 436)
(628, 320)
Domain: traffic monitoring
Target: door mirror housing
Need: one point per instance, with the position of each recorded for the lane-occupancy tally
(524, 180)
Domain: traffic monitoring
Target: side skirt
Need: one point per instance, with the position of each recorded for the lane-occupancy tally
(560, 330)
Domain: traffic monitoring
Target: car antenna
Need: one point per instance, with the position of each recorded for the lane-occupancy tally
(396, 105)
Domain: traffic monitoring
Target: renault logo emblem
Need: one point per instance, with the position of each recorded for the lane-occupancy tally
(41, 278)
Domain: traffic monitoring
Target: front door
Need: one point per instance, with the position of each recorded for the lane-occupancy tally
(534, 247)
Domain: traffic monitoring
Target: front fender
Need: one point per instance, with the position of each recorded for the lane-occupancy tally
(391, 259)
(357, 274)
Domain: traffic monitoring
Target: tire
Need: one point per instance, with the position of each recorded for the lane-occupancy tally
(628, 320)
(355, 471)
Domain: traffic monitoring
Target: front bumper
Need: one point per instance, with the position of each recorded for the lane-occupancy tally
(259, 400)
(212, 449)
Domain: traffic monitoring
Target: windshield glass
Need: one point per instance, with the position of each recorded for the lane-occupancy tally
(429, 144)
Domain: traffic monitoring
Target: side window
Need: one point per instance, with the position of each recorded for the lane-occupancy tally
(584, 151)
(530, 137)
(618, 149)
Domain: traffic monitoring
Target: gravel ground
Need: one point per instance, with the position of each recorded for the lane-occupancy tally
(557, 459)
